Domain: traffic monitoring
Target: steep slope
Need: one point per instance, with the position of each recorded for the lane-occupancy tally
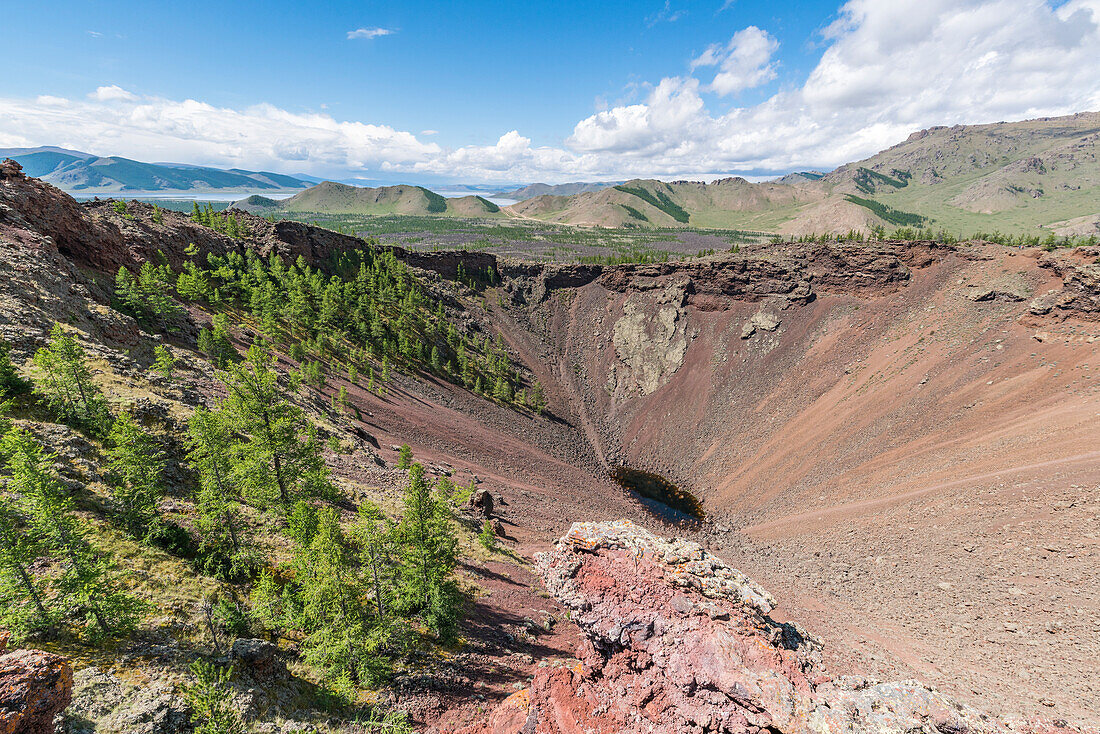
(897, 435)
(540, 189)
(75, 171)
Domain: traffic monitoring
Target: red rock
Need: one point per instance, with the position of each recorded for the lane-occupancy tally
(676, 641)
(35, 686)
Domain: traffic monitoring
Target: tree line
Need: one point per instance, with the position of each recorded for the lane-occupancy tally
(370, 312)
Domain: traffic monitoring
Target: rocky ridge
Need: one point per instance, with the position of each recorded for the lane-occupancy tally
(677, 641)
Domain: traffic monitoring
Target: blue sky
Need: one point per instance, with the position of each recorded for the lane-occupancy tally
(591, 90)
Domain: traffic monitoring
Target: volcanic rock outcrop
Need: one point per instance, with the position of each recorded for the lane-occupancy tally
(35, 686)
(677, 641)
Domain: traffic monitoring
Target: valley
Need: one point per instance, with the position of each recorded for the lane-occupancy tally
(895, 438)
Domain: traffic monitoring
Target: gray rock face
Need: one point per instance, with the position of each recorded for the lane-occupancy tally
(649, 338)
(103, 703)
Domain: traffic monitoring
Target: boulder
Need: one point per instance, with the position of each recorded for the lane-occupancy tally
(103, 703)
(259, 659)
(482, 501)
(35, 686)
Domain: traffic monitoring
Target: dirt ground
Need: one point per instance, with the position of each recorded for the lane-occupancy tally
(914, 474)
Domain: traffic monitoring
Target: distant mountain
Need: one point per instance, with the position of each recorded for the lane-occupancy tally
(330, 197)
(800, 177)
(565, 189)
(75, 171)
(1012, 177)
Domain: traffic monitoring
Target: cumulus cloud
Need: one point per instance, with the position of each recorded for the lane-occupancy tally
(743, 63)
(886, 70)
(369, 33)
(111, 94)
(262, 136)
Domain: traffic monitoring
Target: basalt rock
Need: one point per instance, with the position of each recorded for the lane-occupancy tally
(34, 687)
(677, 641)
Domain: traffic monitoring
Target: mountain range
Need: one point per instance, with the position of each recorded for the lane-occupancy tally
(72, 170)
(1008, 177)
(1034, 177)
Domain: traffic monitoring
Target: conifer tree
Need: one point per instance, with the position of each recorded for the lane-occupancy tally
(164, 363)
(87, 588)
(22, 605)
(136, 463)
(374, 536)
(216, 343)
(67, 383)
(282, 459)
(222, 541)
(330, 594)
(11, 383)
(428, 556)
(404, 457)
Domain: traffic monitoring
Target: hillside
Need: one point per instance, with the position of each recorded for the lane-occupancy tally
(1015, 178)
(330, 197)
(566, 189)
(895, 438)
(72, 170)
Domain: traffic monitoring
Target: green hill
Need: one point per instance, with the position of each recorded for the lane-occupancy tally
(330, 197)
(1015, 178)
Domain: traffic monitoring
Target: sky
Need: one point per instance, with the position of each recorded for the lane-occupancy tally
(536, 91)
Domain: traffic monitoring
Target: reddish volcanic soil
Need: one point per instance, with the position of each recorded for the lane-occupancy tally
(901, 441)
(914, 474)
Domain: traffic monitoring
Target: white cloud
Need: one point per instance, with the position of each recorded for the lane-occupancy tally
(429, 132)
(665, 15)
(887, 70)
(111, 94)
(369, 33)
(263, 136)
(743, 63)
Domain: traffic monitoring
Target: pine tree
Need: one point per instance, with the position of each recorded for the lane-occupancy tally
(211, 700)
(282, 459)
(404, 457)
(374, 535)
(67, 383)
(428, 556)
(216, 342)
(87, 588)
(330, 594)
(22, 602)
(222, 543)
(11, 383)
(164, 363)
(136, 463)
(196, 213)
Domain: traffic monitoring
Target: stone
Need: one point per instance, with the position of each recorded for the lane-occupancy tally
(677, 641)
(482, 501)
(103, 703)
(35, 686)
(258, 659)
